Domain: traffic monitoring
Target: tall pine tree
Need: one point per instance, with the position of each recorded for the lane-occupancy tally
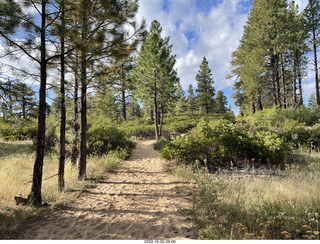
(154, 75)
(205, 88)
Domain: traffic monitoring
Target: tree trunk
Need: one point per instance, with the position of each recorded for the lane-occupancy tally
(123, 93)
(316, 64)
(300, 84)
(151, 115)
(74, 149)
(260, 107)
(35, 195)
(156, 107)
(161, 120)
(253, 108)
(294, 83)
(83, 109)
(276, 67)
(63, 107)
(124, 109)
(274, 90)
(24, 105)
(284, 93)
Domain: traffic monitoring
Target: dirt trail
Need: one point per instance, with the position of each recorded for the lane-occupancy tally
(139, 201)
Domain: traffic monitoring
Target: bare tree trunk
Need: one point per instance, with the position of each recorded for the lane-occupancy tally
(74, 149)
(253, 108)
(300, 84)
(35, 194)
(274, 90)
(24, 105)
(151, 115)
(123, 93)
(294, 84)
(161, 121)
(278, 94)
(62, 156)
(315, 64)
(284, 93)
(83, 109)
(260, 107)
(156, 107)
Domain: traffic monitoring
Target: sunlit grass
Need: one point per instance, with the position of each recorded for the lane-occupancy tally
(16, 169)
(285, 205)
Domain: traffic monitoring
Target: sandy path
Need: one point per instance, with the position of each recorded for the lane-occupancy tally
(139, 201)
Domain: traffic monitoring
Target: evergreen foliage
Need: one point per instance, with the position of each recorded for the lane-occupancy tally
(221, 102)
(154, 75)
(205, 90)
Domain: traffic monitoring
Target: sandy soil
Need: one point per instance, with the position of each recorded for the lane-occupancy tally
(139, 201)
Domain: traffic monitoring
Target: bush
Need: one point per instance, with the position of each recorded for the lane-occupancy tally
(102, 139)
(13, 131)
(139, 129)
(219, 142)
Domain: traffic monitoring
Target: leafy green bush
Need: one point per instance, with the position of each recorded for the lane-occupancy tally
(12, 130)
(104, 139)
(278, 118)
(219, 142)
(140, 129)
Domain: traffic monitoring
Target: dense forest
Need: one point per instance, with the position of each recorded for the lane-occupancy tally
(101, 81)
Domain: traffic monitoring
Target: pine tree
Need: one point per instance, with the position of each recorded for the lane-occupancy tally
(35, 28)
(154, 75)
(269, 58)
(205, 88)
(221, 102)
(312, 20)
(102, 35)
(190, 102)
(180, 106)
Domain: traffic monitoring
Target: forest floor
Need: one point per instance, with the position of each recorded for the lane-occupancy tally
(140, 200)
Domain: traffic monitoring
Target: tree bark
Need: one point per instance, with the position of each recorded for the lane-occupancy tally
(315, 63)
(161, 120)
(294, 83)
(276, 67)
(62, 156)
(300, 84)
(284, 93)
(253, 108)
(156, 107)
(260, 107)
(24, 105)
(274, 90)
(123, 94)
(83, 109)
(74, 149)
(35, 195)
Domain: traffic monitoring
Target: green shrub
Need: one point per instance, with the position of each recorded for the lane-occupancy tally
(219, 142)
(13, 131)
(104, 139)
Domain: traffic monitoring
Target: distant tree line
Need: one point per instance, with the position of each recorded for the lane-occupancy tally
(271, 60)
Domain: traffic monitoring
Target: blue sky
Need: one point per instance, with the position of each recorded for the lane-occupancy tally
(210, 28)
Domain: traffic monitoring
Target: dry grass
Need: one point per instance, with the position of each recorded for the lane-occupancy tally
(16, 168)
(281, 206)
(16, 175)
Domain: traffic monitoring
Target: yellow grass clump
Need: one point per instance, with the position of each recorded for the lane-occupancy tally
(16, 175)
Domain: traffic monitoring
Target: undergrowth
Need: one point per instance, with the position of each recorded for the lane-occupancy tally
(285, 205)
(16, 176)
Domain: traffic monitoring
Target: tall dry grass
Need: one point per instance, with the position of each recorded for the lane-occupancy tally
(16, 168)
(285, 205)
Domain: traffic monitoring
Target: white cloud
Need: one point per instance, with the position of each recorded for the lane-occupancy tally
(217, 32)
(216, 35)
